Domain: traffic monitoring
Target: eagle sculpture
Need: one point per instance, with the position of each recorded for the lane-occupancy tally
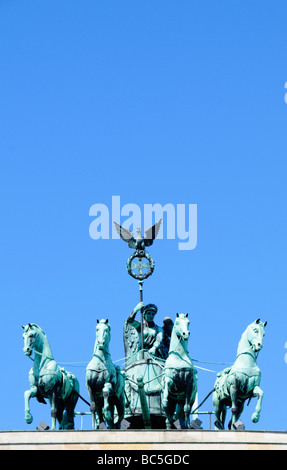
(138, 243)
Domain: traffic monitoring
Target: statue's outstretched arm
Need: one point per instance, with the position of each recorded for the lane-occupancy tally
(131, 318)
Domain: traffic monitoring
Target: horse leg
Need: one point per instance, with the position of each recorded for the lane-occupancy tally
(223, 414)
(99, 409)
(167, 385)
(219, 412)
(236, 416)
(169, 412)
(119, 401)
(257, 392)
(60, 414)
(70, 405)
(189, 400)
(91, 398)
(93, 412)
(107, 409)
(54, 406)
(168, 403)
(120, 396)
(191, 393)
(234, 404)
(27, 395)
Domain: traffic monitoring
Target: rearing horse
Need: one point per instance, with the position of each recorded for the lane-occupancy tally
(48, 380)
(180, 377)
(240, 382)
(104, 381)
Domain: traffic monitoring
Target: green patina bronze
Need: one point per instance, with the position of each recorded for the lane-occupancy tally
(155, 338)
(144, 366)
(158, 384)
(136, 267)
(240, 382)
(148, 346)
(180, 377)
(139, 243)
(48, 380)
(104, 381)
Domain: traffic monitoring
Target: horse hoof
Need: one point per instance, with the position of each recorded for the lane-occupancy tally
(28, 418)
(255, 417)
(218, 425)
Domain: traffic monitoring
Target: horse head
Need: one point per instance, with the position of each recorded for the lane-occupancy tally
(255, 334)
(30, 336)
(181, 326)
(103, 334)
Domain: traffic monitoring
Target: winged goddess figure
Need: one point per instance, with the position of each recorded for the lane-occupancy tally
(139, 243)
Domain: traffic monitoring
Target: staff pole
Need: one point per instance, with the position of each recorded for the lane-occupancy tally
(142, 318)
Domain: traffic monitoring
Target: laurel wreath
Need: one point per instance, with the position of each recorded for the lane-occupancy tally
(140, 254)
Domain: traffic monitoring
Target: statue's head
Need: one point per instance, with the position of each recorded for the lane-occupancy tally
(149, 312)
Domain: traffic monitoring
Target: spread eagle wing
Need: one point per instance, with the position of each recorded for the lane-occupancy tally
(126, 235)
(151, 233)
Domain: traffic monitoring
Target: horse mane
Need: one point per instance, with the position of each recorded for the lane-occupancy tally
(34, 325)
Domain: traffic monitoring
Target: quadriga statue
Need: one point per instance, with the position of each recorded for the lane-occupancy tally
(240, 382)
(48, 380)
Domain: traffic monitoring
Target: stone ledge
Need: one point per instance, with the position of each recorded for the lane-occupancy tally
(143, 440)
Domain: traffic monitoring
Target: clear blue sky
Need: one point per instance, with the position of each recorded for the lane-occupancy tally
(176, 102)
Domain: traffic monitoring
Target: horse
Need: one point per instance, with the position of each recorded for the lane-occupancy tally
(180, 376)
(240, 382)
(48, 380)
(104, 381)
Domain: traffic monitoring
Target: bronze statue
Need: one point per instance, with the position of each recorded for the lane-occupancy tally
(158, 384)
(240, 382)
(156, 339)
(104, 381)
(180, 376)
(48, 380)
(139, 243)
